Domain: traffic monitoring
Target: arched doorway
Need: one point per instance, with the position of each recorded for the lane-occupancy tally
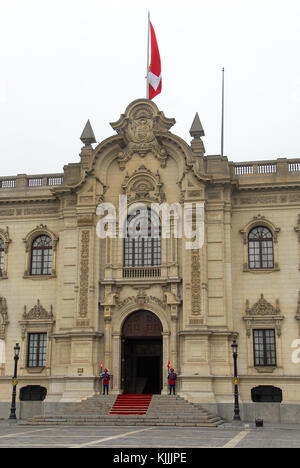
(142, 353)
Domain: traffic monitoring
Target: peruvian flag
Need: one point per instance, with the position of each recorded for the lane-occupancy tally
(154, 72)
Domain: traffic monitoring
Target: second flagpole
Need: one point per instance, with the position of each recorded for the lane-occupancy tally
(222, 119)
(148, 47)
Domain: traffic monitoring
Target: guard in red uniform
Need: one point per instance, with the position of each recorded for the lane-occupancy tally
(105, 377)
(172, 376)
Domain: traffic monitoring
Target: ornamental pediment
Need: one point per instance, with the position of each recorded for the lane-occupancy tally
(142, 184)
(38, 312)
(140, 127)
(263, 314)
(262, 307)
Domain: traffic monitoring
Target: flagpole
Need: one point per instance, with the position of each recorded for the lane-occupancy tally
(148, 46)
(222, 122)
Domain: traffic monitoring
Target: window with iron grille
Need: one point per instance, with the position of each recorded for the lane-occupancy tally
(1, 257)
(37, 350)
(260, 248)
(264, 347)
(41, 256)
(142, 246)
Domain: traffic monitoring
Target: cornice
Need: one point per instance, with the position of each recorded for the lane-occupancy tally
(24, 200)
(272, 186)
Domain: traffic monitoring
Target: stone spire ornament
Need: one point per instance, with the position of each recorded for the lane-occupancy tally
(197, 145)
(196, 130)
(87, 136)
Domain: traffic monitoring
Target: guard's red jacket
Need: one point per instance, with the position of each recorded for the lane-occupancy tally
(172, 378)
(106, 378)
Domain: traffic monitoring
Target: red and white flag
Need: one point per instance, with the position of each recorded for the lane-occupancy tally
(168, 366)
(154, 72)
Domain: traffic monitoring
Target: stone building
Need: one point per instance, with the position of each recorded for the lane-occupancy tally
(73, 298)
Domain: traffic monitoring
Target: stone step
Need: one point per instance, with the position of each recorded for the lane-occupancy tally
(164, 410)
(126, 421)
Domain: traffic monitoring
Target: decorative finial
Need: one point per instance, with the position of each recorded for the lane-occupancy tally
(87, 136)
(196, 130)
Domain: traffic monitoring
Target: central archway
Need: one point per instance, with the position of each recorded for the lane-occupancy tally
(142, 353)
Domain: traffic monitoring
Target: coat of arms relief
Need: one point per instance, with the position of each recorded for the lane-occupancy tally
(141, 126)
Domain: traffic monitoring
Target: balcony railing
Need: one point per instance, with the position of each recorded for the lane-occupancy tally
(278, 167)
(141, 272)
(251, 169)
(294, 167)
(24, 181)
(7, 183)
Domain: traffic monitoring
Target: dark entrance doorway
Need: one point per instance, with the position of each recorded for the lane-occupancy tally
(142, 353)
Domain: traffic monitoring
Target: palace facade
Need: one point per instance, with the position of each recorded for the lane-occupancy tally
(73, 298)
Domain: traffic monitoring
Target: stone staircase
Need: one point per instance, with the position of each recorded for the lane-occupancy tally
(164, 410)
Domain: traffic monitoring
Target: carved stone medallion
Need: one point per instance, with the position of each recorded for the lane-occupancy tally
(140, 128)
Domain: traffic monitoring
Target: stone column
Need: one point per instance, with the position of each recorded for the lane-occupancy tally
(107, 341)
(174, 351)
(116, 363)
(165, 358)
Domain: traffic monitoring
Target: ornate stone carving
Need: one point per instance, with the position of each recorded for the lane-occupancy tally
(5, 237)
(36, 318)
(265, 199)
(195, 282)
(84, 273)
(263, 314)
(38, 312)
(3, 318)
(262, 307)
(141, 300)
(143, 185)
(297, 228)
(140, 127)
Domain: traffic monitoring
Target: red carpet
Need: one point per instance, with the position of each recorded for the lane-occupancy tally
(131, 404)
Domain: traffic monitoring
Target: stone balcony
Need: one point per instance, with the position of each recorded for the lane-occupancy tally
(281, 171)
(24, 181)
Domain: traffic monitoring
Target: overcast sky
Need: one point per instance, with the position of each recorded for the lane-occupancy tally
(66, 61)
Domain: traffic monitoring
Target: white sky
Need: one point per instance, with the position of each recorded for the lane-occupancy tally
(63, 62)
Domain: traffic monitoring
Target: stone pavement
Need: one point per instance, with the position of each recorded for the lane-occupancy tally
(120, 439)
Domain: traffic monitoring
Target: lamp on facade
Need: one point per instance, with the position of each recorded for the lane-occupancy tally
(14, 383)
(236, 416)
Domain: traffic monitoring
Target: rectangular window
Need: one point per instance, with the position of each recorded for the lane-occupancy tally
(264, 347)
(37, 350)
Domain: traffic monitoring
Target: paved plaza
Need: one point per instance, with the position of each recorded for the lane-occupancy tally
(118, 439)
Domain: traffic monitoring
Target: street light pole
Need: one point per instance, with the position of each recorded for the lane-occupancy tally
(236, 416)
(14, 383)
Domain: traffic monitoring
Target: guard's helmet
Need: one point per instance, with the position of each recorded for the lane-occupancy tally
(105, 370)
(172, 370)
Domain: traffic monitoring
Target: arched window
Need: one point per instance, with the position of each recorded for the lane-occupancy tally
(1, 257)
(41, 256)
(260, 248)
(142, 246)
